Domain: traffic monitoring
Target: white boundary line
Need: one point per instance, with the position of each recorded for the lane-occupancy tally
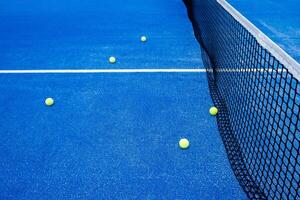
(285, 59)
(88, 71)
(98, 71)
(232, 70)
(266, 42)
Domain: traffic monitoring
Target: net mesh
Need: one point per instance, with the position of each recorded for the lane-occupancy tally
(259, 102)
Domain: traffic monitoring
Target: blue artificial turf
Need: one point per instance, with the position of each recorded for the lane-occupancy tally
(108, 136)
(277, 19)
(111, 136)
(65, 34)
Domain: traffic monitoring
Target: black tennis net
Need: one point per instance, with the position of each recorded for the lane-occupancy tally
(256, 87)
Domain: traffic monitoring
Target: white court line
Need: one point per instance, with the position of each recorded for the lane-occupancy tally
(86, 71)
(246, 70)
(95, 71)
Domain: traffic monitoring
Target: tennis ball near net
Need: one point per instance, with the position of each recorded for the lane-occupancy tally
(213, 111)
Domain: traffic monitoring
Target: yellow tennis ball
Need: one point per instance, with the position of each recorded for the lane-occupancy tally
(184, 143)
(143, 38)
(49, 102)
(213, 111)
(112, 59)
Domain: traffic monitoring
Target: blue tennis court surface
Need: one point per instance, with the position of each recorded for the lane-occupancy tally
(114, 129)
(279, 20)
(112, 135)
(108, 135)
(72, 34)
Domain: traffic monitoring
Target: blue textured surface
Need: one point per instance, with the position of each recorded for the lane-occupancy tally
(55, 34)
(109, 136)
(279, 20)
